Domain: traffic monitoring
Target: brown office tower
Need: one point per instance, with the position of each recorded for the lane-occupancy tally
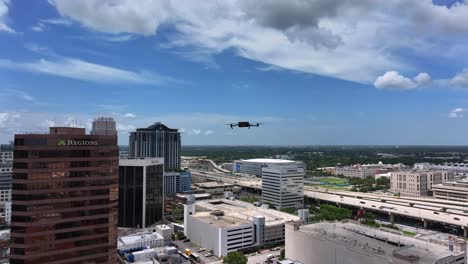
(65, 198)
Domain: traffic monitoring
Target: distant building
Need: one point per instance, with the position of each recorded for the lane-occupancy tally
(65, 196)
(6, 173)
(5, 212)
(141, 198)
(283, 185)
(177, 182)
(349, 242)
(366, 170)
(456, 168)
(451, 191)
(217, 188)
(415, 183)
(387, 175)
(6, 154)
(157, 140)
(254, 166)
(104, 126)
(224, 225)
(123, 154)
(282, 180)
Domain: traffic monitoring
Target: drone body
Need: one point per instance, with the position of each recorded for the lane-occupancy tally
(244, 124)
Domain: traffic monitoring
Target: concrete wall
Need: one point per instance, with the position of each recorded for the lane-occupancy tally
(204, 234)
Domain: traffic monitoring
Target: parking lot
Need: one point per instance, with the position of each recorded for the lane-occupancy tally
(260, 258)
(193, 248)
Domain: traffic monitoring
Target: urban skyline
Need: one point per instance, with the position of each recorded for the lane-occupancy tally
(312, 79)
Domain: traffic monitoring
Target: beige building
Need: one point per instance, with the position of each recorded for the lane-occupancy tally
(349, 243)
(451, 191)
(224, 225)
(417, 183)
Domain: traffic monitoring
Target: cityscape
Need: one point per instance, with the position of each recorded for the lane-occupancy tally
(236, 132)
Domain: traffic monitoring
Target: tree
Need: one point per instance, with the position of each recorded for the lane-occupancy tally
(282, 254)
(235, 258)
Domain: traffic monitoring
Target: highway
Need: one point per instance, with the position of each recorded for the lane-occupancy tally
(448, 212)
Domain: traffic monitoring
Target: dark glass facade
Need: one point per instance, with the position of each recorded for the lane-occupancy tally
(64, 198)
(140, 195)
(157, 140)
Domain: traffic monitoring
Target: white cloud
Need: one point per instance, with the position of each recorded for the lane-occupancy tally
(461, 79)
(85, 71)
(57, 21)
(16, 94)
(129, 115)
(38, 28)
(209, 132)
(353, 40)
(6, 118)
(394, 80)
(195, 131)
(42, 24)
(423, 79)
(4, 16)
(457, 112)
(119, 38)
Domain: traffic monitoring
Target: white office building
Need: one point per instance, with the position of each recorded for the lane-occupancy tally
(417, 183)
(224, 225)
(283, 185)
(255, 166)
(141, 239)
(349, 243)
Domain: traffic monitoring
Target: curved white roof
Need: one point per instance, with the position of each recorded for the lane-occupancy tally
(269, 160)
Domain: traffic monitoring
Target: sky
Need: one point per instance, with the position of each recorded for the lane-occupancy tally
(314, 72)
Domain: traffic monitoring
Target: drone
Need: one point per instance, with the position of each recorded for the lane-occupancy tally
(244, 124)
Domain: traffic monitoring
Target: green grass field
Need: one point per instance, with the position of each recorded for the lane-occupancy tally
(408, 233)
(332, 180)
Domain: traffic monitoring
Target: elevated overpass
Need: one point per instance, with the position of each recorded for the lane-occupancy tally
(424, 209)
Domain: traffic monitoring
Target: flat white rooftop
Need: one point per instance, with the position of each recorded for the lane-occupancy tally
(238, 212)
(269, 160)
(370, 240)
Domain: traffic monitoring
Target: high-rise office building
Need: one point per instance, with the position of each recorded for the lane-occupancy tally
(159, 141)
(65, 198)
(141, 197)
(283, 184)
(104, 126)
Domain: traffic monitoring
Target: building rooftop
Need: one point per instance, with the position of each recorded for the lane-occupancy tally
(222, 221)
(370, 240)
(135, 238)
(158, 126)
(270, 161)
(239, 212)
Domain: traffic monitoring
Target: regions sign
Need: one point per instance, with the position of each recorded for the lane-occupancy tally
(72, 142)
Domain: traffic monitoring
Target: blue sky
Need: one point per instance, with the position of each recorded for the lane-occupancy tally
(315, 72)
